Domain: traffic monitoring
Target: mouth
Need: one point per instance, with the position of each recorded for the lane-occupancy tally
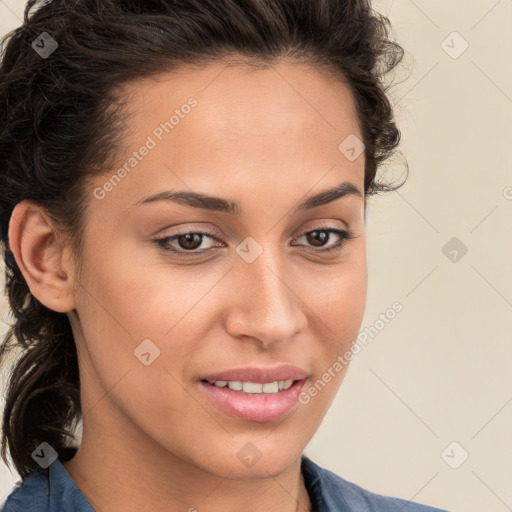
(257, 375)
(254, 401)
(253, 388)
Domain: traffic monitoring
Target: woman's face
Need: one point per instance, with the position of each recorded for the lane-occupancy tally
(260, 290)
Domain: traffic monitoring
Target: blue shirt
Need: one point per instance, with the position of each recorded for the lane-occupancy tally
(328, 493)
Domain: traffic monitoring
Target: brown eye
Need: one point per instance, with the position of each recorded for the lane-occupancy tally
(185, 244)
(320, 237)
(317, 238)
(190, 241)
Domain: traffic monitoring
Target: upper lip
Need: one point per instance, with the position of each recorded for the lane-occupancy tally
(261, 375)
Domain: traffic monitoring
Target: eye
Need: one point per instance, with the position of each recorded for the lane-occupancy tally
(186, 244)
(321, 235)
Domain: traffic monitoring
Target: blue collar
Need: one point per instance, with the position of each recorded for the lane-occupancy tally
(328, 492)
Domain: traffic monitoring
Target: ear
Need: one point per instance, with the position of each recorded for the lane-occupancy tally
(42, 257)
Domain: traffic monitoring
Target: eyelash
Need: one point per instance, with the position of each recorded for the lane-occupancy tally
(345, 236)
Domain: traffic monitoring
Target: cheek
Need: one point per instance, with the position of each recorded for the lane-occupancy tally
(337, 301)
(122, 304)
(137, 296)
(337, 309)
(339, 296)
(124, 301)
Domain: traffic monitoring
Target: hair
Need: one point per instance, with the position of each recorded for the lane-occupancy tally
(62, 122)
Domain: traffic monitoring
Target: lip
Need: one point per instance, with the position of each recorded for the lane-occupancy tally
(255, 407)
(259, 375)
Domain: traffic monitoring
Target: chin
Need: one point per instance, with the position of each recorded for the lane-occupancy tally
(250, 462)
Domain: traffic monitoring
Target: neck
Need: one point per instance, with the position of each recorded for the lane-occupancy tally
(130, 472)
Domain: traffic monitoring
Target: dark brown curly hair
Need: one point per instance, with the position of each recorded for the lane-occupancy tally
(62, 121)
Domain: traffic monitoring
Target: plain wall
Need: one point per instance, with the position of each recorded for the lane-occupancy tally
(440, 371)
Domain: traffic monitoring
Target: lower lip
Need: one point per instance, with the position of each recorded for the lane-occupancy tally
(258, 407)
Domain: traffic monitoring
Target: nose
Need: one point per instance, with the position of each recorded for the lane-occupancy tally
(266, 305)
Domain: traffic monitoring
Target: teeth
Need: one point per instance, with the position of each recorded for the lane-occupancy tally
(269, 387)
(255, 387)
(235, 385)
(252, 387)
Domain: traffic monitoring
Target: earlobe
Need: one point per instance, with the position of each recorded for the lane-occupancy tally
(41, 256)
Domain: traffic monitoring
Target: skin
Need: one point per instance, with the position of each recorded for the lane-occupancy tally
(266, 139)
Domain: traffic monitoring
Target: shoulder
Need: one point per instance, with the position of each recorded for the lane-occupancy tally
(29, 495)
(335, 494)
(55, 492)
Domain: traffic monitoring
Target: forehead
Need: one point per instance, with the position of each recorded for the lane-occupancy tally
(278, 126)
(233, 92)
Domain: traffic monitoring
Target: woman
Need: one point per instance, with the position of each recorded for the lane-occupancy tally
(184, 188)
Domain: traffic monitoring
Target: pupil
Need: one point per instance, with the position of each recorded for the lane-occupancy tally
(318, 236)
(192, 241)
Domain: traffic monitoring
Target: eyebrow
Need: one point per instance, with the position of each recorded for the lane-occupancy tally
(219, 204)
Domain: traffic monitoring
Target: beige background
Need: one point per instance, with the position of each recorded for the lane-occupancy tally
(440, 371)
